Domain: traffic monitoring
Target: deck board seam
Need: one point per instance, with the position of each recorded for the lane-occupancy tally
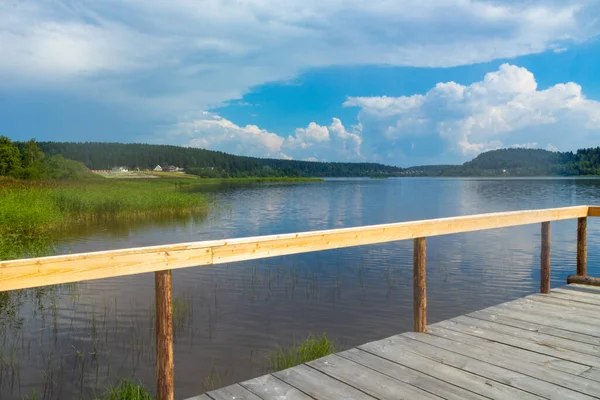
(546, 380)
(460, 369)
(556, 357)
(416, 370)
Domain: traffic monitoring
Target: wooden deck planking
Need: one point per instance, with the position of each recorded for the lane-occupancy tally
(539, 346)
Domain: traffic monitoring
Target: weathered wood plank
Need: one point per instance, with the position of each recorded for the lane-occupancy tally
(582, 287)
(378, 385)
(592, 373)
(517, 322)
(550, 377)
(319, 385)
(545, 344)
(564, 302)
(203, 396)
(21, 274)
(558, 313)
(543, 319)
(586, 291)
(233, 392)
(267, 387)
(574, 297)
(578, 289)
(478, 337)
(480, 377)
(409, 375)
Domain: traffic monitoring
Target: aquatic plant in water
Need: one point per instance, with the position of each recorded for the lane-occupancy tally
(126, 390)
(309, 349)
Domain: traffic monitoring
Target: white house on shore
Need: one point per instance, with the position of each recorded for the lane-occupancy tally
(158, 168)
(120, 169)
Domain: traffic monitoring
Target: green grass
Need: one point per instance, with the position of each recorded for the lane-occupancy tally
(309, 349)
(32, 213)
(126, 390)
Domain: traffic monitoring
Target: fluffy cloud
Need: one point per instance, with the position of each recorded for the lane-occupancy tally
(178, 56)
(454, 121)
(315, 142)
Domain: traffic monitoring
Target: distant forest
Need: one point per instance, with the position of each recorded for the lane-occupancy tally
(205, 163)
(528, 162)
(213, 164)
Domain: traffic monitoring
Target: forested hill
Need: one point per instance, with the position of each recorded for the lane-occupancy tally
(102, 156)
(529, 162)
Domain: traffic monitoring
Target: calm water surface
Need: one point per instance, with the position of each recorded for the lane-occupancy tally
(73, 341)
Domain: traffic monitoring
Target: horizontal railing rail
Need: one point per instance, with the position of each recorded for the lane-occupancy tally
(42, 271)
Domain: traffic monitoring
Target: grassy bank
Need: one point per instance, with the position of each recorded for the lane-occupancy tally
(31, 212)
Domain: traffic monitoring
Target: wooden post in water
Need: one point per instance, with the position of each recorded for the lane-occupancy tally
(582, 246)
(419, 286)
(545, 259)
(164, 336)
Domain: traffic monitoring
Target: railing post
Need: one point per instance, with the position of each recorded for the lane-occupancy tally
(164, 336)
(582, 246)
(419, 286)
(545, 259)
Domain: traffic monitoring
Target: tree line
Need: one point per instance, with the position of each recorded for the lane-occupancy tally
(27, 161)
(527, 162)
(205, 163)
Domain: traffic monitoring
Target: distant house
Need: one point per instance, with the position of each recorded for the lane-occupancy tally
(170, 168)
(120, 169)
(158, 168)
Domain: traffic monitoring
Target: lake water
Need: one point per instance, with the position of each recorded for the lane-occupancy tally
(72, 341)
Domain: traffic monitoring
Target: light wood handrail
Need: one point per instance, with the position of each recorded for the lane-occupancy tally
(27, 273)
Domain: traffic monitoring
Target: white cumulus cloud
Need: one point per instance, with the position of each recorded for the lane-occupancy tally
(454, 121)
(315, 142)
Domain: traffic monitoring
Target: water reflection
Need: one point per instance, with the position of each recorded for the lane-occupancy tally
(74, 340)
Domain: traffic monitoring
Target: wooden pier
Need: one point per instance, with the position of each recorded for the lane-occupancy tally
(541, 346)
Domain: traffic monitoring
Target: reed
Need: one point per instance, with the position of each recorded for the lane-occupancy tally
(31, 213)
(309, 349)
(126, 390)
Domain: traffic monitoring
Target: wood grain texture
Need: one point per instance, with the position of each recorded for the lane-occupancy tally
(233, 392)
(545, 259)
(376, 384)
(419, 286)
(409, 375)
(581, 246)
(539, 346)
(26, 273)
(165, 388)
(268, 387)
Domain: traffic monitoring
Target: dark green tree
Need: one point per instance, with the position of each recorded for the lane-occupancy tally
(10, 158)
(32, 155)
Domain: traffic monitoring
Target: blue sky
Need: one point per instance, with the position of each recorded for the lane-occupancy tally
(402, 83)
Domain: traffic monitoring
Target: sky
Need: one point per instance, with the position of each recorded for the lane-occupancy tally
(405, 82)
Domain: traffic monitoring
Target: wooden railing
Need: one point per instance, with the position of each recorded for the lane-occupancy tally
(28, 273)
